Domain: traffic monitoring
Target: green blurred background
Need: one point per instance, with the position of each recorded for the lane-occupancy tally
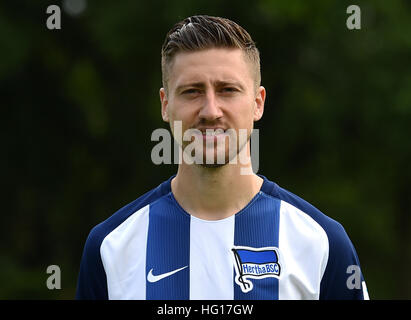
(79, 105)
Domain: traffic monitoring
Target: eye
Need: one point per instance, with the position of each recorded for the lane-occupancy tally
(229, 89)
(191, 91)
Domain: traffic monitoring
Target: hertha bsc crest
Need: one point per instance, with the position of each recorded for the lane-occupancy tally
(255, 263)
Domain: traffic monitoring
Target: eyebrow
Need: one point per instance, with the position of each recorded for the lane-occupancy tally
(188, 85)
(201, 85)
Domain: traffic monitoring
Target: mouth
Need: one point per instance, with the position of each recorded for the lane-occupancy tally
(212, 133)
(210, 130)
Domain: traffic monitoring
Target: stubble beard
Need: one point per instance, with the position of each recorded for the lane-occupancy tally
(230, 150)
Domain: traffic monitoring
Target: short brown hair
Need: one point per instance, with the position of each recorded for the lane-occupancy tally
(204, 32)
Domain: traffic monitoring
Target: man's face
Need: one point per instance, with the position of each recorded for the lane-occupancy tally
(209, 90)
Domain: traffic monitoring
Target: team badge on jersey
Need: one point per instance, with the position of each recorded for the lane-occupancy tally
(255, 263)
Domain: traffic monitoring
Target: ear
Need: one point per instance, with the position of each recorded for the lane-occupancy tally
(164, 105)
(259, 103)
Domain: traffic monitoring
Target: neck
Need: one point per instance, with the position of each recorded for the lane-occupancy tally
(214, 193)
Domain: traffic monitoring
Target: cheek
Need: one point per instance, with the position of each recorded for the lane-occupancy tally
(245, 115)
(180, 111)
(180, 120)
(173, 115)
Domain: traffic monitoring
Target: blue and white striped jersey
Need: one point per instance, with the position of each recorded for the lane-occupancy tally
(277, 247)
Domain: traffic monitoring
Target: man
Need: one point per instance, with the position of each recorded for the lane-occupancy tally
(216, 230)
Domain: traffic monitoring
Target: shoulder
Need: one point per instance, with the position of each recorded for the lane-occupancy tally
(337, 246)
(292, 204)
(92, 282)
(100, 231)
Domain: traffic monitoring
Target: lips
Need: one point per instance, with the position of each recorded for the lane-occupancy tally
(210, 134)
(211, 131)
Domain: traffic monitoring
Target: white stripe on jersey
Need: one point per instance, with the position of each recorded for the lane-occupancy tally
(123, 253)
(303, 245)
(365, 291)
(210, 251)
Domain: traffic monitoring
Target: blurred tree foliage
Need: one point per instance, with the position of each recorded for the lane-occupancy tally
(79, 104)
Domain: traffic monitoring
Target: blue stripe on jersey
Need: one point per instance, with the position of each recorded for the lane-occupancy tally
(258, 227)
(168, 249)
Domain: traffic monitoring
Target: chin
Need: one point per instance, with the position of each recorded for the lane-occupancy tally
(212, 165)
(215, 163)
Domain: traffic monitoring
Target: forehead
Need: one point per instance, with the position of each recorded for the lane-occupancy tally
(217, 64)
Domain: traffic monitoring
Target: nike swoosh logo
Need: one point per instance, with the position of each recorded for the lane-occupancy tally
(152, 278)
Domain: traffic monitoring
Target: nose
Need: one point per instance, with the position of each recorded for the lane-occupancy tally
(210, 109)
